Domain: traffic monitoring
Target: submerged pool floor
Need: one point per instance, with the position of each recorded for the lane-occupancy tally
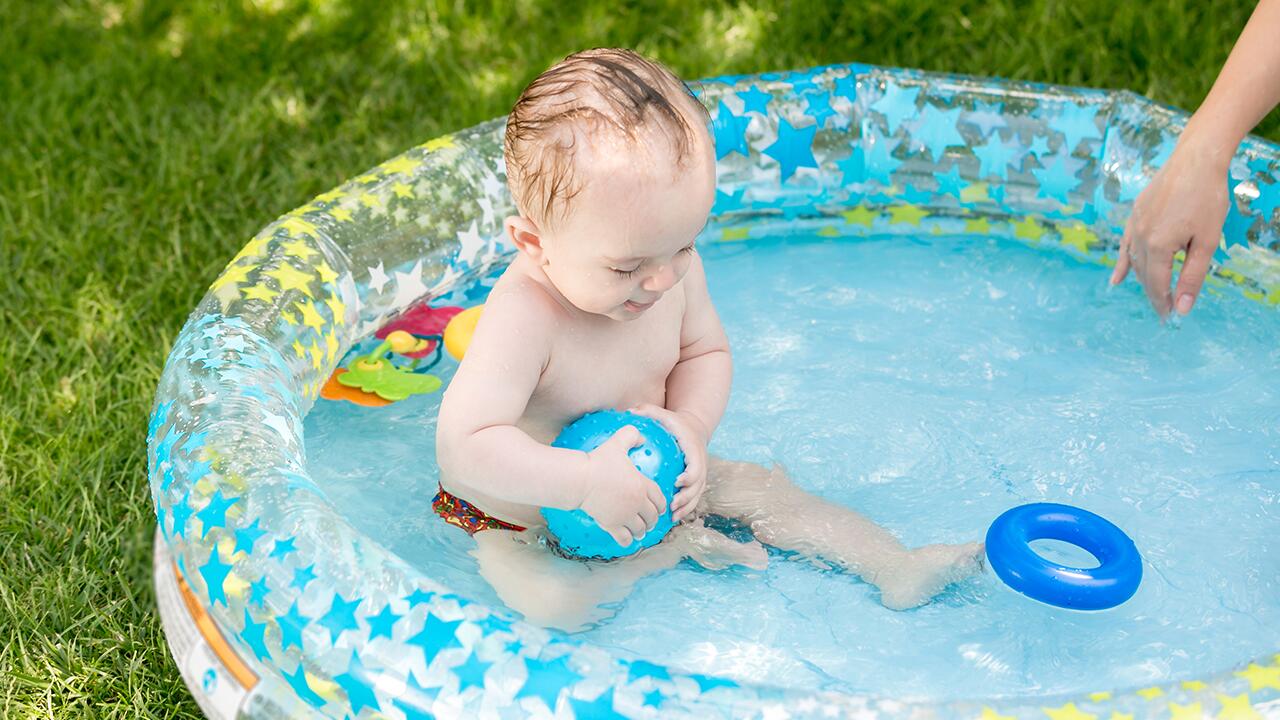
(931, 384)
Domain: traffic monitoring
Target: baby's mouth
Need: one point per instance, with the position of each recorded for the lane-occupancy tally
(637, 307)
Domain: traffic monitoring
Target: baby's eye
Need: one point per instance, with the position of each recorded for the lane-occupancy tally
(626, 273)
(690, 249)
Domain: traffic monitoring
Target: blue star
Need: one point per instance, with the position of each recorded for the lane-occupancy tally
(247, 536)
(950, 182)
(1076, 123)
(897, 104)
(914, 195)
(847, 87)
(197, 470)
(471, 673)
(195, 441)
(994, 158)
(357, 681)
(793, 148)
(254, 635)
(215, 572)
(235, 343)
(730, 132)
(853, 168)
(880, 162)
(419, 597)
(165, 447)
(513, 647)
(727, 202)
(159, 515)
(212, 363)
(599, 709)
(547, 680)
(939, 131)
(258, 590)
(291, 625)
(282, 548)
(159, 417)
(641, 669)
(1260, 165)
(755, 100)
(1267, 202)
(416, 700)
(298, 681)
(167, 477)
(303, 575)
(653, 698)
(197, 354)
(1058, 179)
(341, 617)
(215, 513)
(820, 108)
(436, 635)
(382, 623)
(252, 391)
(181, 512)
(986, 118)
(1039, 146)
(707, 682)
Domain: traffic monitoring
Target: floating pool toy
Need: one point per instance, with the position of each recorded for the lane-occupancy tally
(659, 459)
(457, 336)
(423, 321)
(1009, 551)
(271, 583)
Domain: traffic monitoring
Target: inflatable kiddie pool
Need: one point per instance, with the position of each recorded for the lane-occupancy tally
(275, 605)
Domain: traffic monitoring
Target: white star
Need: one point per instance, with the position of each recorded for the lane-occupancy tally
(377, 277)
(486, 209)
(472, 244)
(446, 279)
(409, 286)
(279, 424)
(493, 187)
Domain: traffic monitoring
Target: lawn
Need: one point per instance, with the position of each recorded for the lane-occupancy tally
(141, 144)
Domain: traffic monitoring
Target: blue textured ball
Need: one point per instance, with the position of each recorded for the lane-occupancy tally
(659, 459)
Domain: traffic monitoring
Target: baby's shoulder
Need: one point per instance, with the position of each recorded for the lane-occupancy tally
(518, 299)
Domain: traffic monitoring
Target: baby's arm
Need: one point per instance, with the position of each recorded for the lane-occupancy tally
(477, 438)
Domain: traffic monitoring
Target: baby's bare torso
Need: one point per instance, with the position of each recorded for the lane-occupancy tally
(594, 363)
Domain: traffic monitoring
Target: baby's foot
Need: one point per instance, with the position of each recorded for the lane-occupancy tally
(716, 551)
(926, 571)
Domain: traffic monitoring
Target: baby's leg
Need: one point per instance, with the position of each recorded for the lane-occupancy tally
(784, 516)
(552, 591)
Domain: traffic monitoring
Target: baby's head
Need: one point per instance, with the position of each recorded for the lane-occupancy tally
(613, 172)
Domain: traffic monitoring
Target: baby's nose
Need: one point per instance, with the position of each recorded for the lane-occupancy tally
(662, 280)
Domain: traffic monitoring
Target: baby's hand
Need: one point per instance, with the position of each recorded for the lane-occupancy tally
(692, 436)
(622, 501)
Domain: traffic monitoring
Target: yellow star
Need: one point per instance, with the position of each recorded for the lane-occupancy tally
(860, 216)
(369, 201)
(234, 274)
(298, 248)
(1193, 685)
(289, 317)
(291, 278)
(989, 714)
(1237, 708)
(401, 164)
(299, 349)
(438, 143)
(909, 214)
(1150, 693)
(828, 231)
(1028, 229)
(1078, 237)
(1185, 712)
(316, 355)
(1068, 712)
(1261, 677)
(310, 317)
(252, 248)
(338, 308)
(367, 177)
(1275, 659)
(331, 345)
(1120, 716)
(402, 190)
(326, 273)
(330, 196)
(977, 227)
(975, 193)
(259, 292)
(728, 234)
(297, 226)
(341, 214)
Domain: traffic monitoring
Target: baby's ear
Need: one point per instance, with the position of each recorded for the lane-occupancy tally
(526, 237)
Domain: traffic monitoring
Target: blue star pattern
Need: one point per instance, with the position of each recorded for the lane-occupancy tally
(938, 131)
(381, 625)
(214, 515)
(898, 103)
(730, 132)
(358, 685)
(340, 618)
(546, 680)
(471, 673)
(793, 148)
(599, 709)
(215, 573)
(417, 700)
(1058, 179)
(436, 635)
(755, 100)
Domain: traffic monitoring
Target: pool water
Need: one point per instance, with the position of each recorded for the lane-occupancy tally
(931, 383)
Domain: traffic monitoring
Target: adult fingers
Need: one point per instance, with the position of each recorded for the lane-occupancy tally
(1194, 269)
(1157, 271)
(1122, 260)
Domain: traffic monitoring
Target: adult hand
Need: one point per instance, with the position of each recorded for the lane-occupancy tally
(1182, 209)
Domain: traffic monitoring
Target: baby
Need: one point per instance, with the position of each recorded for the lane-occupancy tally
(606, 306)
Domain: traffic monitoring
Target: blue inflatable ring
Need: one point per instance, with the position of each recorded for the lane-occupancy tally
(1009, 551)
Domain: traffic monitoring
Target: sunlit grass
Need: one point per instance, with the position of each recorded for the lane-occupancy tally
(141, 144)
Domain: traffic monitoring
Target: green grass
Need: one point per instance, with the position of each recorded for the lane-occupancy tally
(141, 144)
